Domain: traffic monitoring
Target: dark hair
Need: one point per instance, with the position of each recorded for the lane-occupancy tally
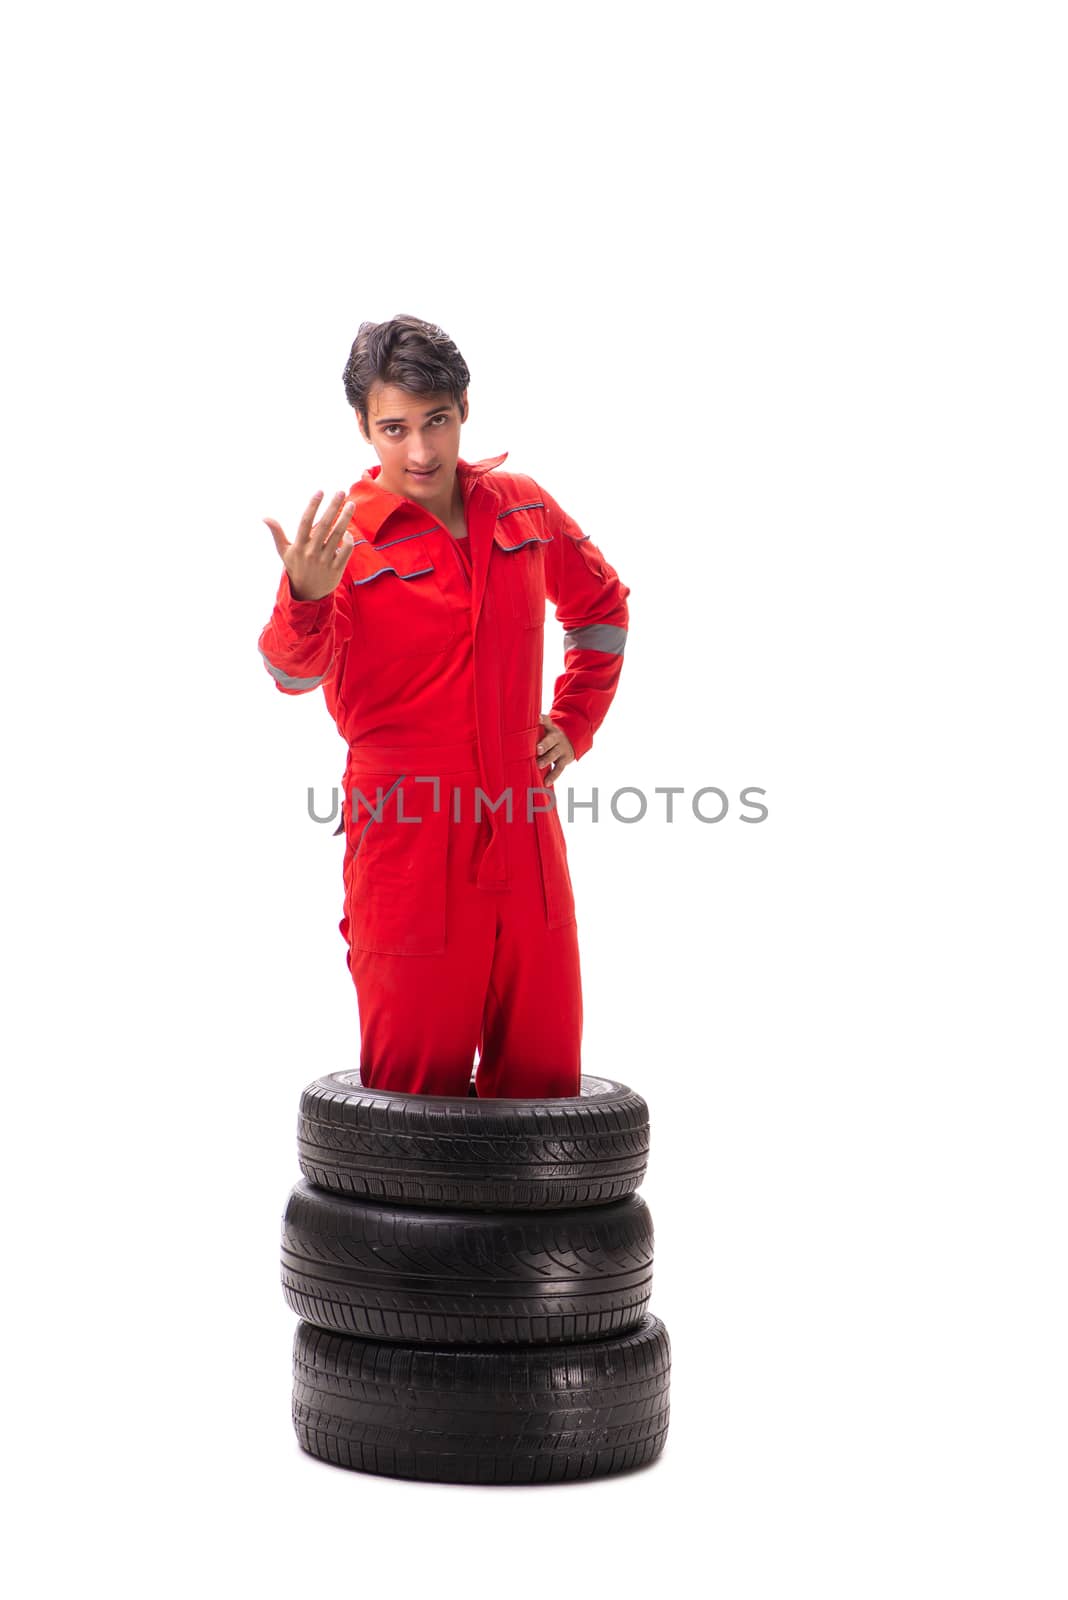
(405, 351)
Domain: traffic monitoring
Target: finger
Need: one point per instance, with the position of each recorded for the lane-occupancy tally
(315, 533)
(281, 543)
(341, 554)
(323, 528)
(304, 525)
(334, 532)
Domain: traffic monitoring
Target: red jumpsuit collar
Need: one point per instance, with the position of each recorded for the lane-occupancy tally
(374, 505)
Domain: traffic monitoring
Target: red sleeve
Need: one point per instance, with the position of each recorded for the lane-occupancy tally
(591, 604)
(302, 640)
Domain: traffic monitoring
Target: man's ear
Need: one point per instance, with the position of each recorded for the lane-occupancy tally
(463, 406)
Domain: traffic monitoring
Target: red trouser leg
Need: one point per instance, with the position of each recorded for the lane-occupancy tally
(532, 1017)
(505, 983)
(532, 1028)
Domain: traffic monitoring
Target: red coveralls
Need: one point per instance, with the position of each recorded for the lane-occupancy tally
(460, 920)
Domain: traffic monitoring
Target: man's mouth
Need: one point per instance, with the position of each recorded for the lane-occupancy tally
(416, 474)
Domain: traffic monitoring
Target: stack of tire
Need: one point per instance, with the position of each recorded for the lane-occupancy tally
(472, 1277)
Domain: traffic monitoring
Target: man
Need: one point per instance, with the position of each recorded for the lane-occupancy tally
(418, 605)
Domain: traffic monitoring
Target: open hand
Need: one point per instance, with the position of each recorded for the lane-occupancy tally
(316, 560)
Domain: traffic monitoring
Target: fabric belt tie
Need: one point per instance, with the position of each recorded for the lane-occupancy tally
(426, 760)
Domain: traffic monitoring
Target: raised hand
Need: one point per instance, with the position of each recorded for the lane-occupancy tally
(316, 560)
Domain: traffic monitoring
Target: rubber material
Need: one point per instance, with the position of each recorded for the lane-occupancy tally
(388, 1272)
(538, 1415)
(462, 1152)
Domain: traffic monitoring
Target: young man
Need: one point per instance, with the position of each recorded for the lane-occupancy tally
(417, 603)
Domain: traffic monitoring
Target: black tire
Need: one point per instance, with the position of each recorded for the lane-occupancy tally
(538, 1415)
(395, 1273)
(463, 1153)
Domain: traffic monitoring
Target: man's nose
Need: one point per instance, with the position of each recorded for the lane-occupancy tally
(419, 454)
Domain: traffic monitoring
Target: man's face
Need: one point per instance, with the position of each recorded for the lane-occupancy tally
(416, 437)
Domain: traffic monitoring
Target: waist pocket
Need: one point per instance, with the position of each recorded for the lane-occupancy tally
(395, 864)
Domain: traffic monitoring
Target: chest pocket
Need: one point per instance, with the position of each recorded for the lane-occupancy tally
(521, 537)
(398, 605)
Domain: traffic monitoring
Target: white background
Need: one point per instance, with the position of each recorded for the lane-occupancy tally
(771, 298)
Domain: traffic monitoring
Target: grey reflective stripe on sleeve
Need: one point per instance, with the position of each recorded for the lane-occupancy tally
(286, 681)
(601, 636)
